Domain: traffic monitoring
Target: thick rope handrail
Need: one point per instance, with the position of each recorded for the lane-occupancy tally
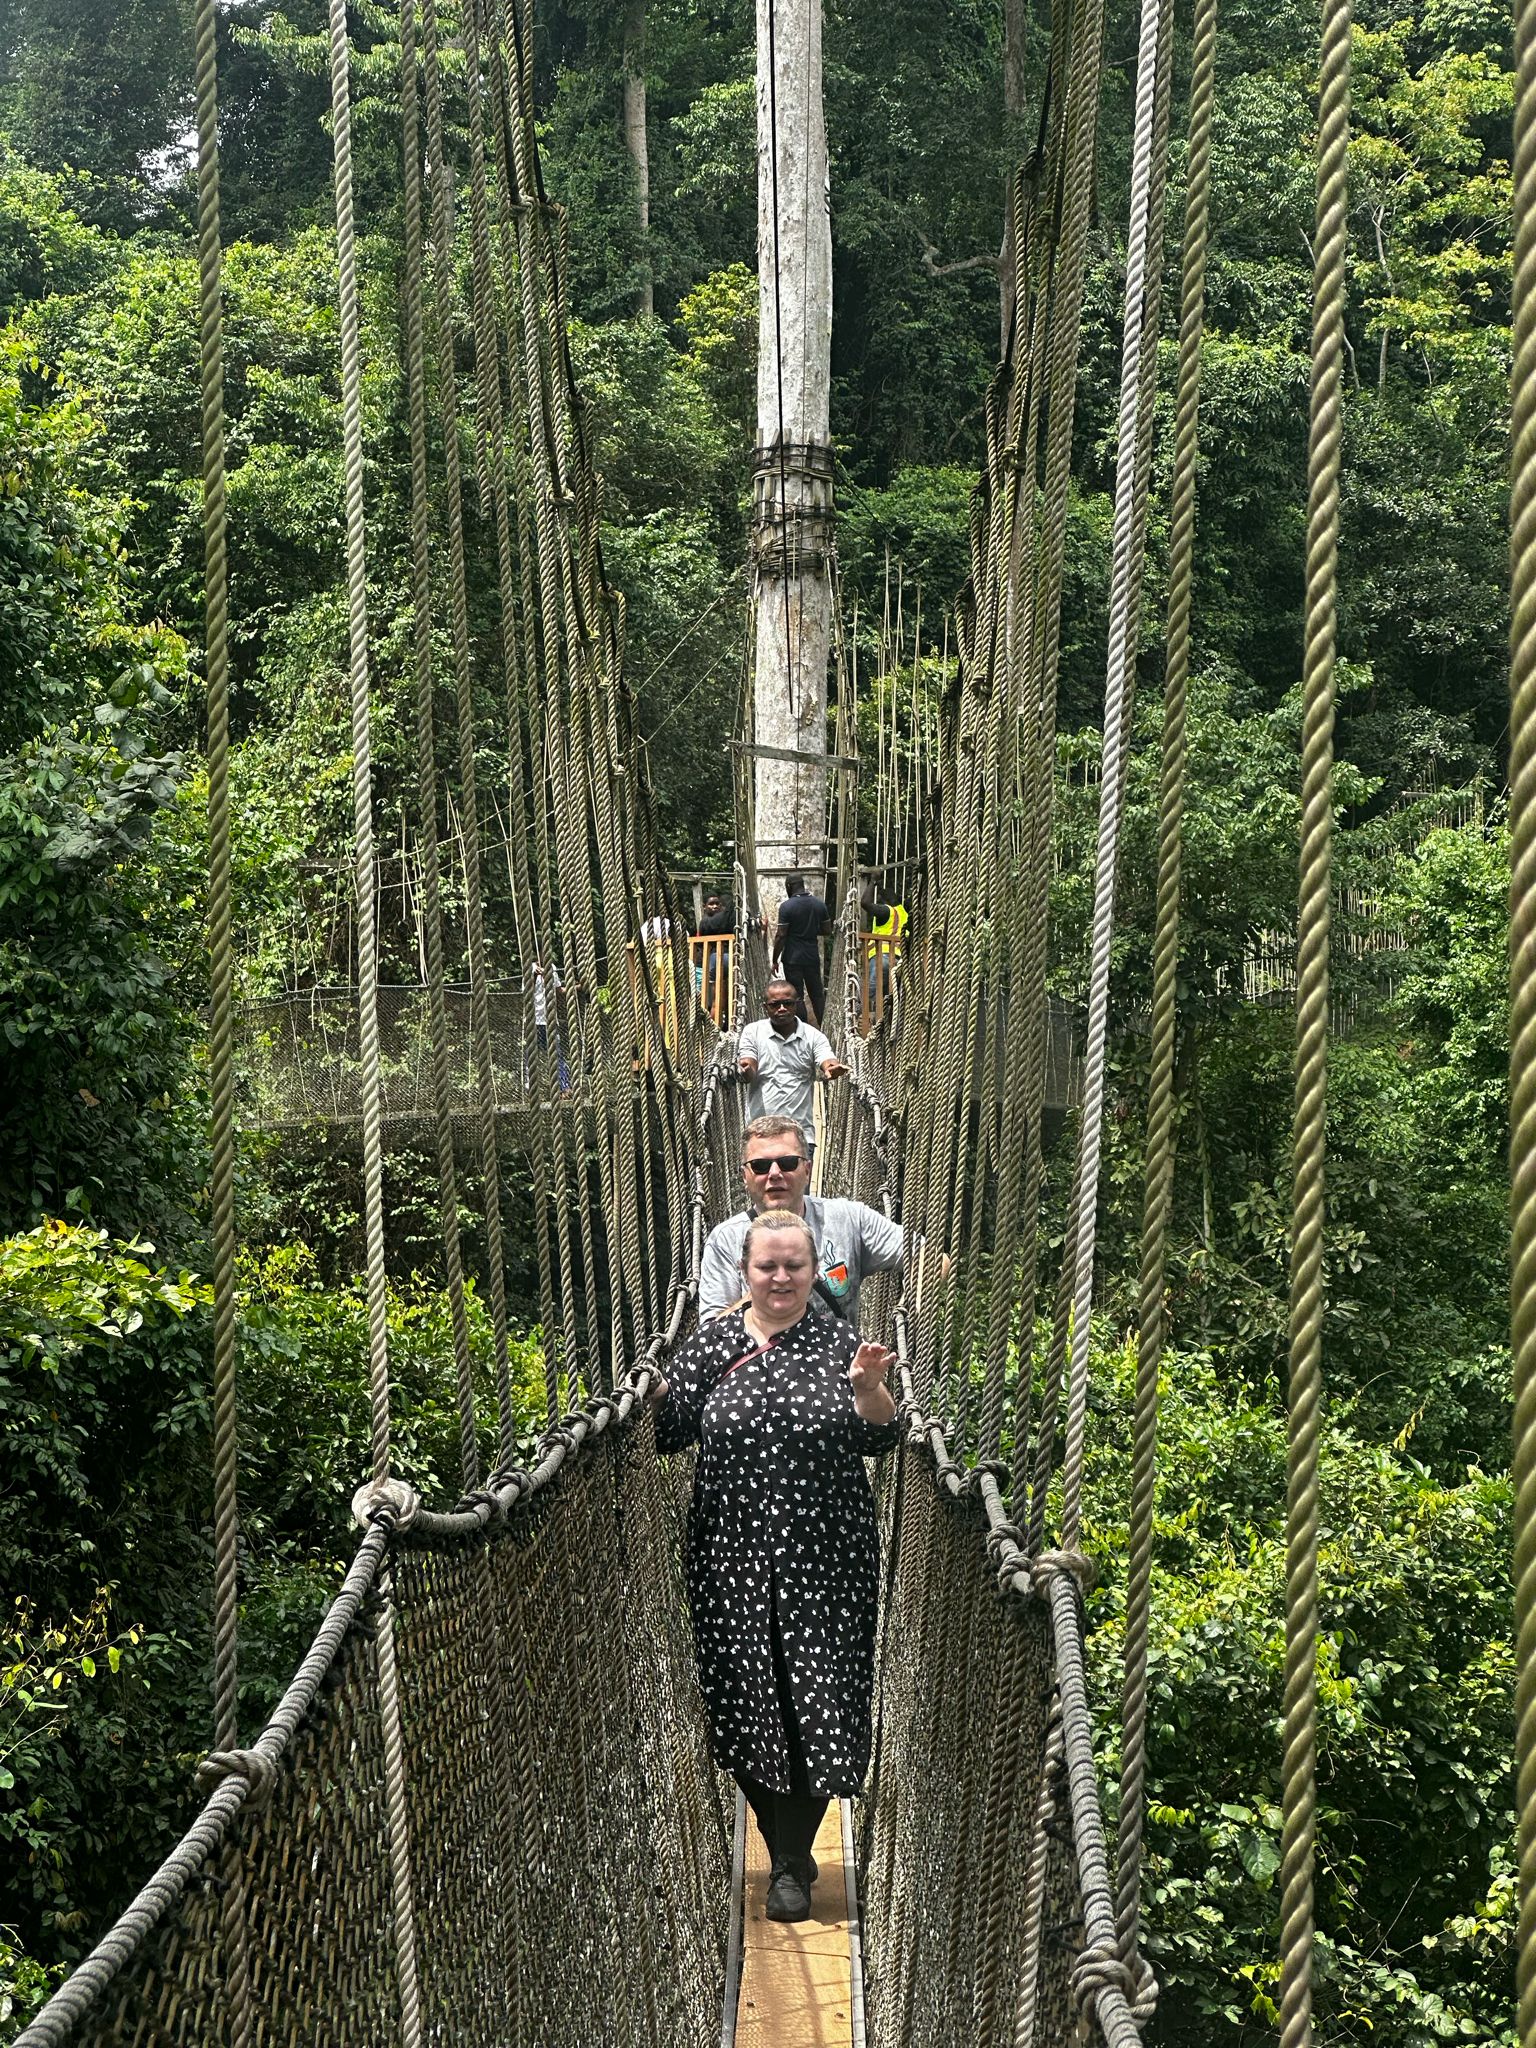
(1160, 1104)
(1299, 1723)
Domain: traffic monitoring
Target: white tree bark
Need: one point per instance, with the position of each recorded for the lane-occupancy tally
(637, 143)
(792, 512)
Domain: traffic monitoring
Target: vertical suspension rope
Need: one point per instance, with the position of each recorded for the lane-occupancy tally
(426, 753)
(1299, 1724)
(1137, 374)
(221, 987)
(362, 762)
(221, 954)
(1160, 1105)
(1522, 1019)
(368, 1016)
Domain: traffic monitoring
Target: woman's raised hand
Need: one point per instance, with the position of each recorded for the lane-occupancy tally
(871, 1363)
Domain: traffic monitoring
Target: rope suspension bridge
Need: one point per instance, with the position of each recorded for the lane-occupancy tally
(483, 1810)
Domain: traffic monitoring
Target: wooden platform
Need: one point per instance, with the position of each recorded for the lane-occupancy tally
(796, 1982)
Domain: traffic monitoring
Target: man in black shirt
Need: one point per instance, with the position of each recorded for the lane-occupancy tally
(797, 945)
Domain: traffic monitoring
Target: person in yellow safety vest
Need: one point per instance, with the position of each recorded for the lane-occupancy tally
(887, 926)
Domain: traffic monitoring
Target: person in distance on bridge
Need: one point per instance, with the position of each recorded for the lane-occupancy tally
(714, 975)
(780, 1056)
(850, 1238)
(797, 945)
(783, 1555)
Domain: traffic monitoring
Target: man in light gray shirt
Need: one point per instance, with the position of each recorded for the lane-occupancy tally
(852, 1239)
(780, 1057)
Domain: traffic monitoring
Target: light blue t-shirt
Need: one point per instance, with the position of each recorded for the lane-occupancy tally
(851, 1238)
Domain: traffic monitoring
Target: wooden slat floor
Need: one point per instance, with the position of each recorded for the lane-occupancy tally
(796, 1977)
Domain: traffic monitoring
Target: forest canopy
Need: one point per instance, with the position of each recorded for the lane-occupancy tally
(104, 1322)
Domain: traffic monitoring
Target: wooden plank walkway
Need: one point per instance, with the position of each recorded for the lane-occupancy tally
(797, 1984)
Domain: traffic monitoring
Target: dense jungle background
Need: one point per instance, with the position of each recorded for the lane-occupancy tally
(104, 1492)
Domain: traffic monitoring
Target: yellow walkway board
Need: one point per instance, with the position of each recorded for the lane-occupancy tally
(796, 1978)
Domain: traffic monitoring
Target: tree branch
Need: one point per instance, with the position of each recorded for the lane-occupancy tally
(933, 268)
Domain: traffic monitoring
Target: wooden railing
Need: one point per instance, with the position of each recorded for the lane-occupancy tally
(713, 965)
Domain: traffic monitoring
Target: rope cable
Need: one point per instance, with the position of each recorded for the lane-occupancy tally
(368, 1004)
(1299, 1726)
(1522, 1032)
(221, 979)
(1160, 1098)
(1137, 373)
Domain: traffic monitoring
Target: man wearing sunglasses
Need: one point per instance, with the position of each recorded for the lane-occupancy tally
(851, 1239)
(780, 1057)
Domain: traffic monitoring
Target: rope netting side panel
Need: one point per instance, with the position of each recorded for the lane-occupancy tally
(316, 1857)
(554, 1650)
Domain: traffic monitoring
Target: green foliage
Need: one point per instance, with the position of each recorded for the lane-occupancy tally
(719, 318)
(305, 1407)
(45, 246)
(26, 1985)
(102, 86)
(1415, 1668)
(103, 1427)
(93, 1044)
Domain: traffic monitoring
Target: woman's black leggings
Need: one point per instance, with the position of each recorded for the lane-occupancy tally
(788, 1820)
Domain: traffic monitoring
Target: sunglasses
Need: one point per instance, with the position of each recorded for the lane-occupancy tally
(787, 1003)
(786, 1162)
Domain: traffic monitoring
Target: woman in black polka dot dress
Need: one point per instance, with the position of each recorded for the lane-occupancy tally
(783, 1554)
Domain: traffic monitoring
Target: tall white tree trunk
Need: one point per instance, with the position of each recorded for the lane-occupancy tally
(637, 143)
(792, 493)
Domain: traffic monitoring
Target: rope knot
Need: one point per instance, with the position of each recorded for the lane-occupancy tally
(391, 1501)
(1102, 1968)
(560, 1434)
(1071, 1562)
(602, 1408)
(481, 1497)
(514, 1480)
(1005, 1552)
(987, 1468)
(255, 1769)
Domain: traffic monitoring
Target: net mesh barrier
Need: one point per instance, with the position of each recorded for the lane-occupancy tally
(552, 1660)
(525, 1840)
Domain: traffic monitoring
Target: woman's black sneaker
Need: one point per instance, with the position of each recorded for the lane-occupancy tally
(789, 1891)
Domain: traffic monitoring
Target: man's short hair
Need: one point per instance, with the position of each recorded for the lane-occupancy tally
(772, 1127)
(779, 981)
(793, 884)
